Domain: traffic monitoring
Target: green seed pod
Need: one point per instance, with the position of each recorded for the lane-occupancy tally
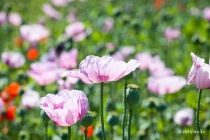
(112, 119)
(141, 135)
(23, 135)
(117, 12)
(21, 112)
(22, 78)
(161, 106)
(87, 120)
(21, 92)
(98, 132)
(151, 102)
(207, 125)
(132, 95)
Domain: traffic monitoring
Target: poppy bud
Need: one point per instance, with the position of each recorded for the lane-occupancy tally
(141, 134)
(112, 119)
(161, 106)
(87, 120)
(64, 135)
(23, 135)
(21, 112)
(151, 102)
(207, 125)
(117, 12)
(98, 133)
(133, 95)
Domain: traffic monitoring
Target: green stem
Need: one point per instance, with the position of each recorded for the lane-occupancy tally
(69, 133)
(112, 133)
(129, 123)
(197, 113)
(102, 114)
(124, 110)
(46, 129)
(85, 131)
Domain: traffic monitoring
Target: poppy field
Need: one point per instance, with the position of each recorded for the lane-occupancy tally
(104, 70)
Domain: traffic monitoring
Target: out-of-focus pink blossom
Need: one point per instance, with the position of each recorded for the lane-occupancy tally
(165, 85)
(118, 55)
(1, 105)
(110, 46)
(199, 73)
(171, 33)
(13, 59)
(184, 117)
(94, 69)
(60, 3)
(3, 17)
(76, 30)
(72, 16)
(33, 33)
(127, 51)
(15, 19)
(43, 73)
(108, 24)
(49, 56)
(158, 69)
(66, 108)
(67, 84)
(50, 11)
(206, 13)
(68, 60)
(30, 99)
(146, 60)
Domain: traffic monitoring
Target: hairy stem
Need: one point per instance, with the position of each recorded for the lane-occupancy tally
(197, 113)
(102, 114)
(124, 110)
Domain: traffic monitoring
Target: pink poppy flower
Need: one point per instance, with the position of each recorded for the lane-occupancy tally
(1, 105)
(67, 84)
(33, 33)
(60, 3)
(171, 34)
(13, 59)
(110, 46)
(76, 30)
(94, 69)
(199, 73)
(108, 24)
(197, 63)
(50, 11)
(68, 60)
(3, 17)
(72, 16)
(184, 117)
(146, 60)
(127, 50)
(118, 55)
(30, 99)
(165, 85)
(43, 73)
(15, 19)
(66, 108)
(206, 13)
(158, 69)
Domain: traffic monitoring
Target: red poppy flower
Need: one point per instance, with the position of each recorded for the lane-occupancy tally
(90, 130)
(32, 54)
(10, 113)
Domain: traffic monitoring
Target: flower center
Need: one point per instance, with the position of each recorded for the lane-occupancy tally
(103, 78)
